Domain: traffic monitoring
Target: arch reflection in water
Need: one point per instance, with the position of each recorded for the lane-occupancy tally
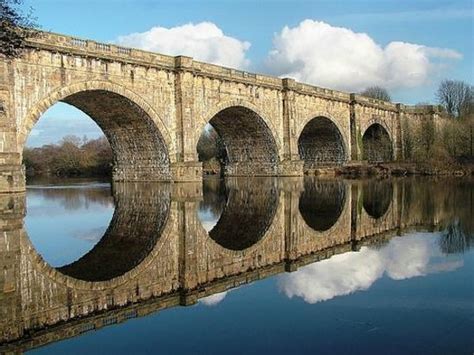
(141, 212)
(246, 206)
(322, 202)
(377, 196)
(56, 218)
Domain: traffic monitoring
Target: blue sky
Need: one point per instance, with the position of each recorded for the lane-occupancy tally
(436, 36)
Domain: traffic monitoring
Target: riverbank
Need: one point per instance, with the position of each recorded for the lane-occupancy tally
(395, 169)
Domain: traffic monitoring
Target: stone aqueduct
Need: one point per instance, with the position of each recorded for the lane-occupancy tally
(154, 107)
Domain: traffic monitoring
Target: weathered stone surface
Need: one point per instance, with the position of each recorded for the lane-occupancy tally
(153, 109)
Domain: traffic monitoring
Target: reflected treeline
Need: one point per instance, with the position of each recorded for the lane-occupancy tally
(448, 203)
(322, 202)
(458, 236)
(74, 197)
(141, 212)
(248, 213)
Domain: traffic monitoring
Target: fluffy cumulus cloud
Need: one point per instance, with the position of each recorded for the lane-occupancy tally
(402, 258)
(339, 58)
(204, 41)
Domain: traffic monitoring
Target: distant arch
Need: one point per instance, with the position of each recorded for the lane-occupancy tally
(321, 143)
(250, 140)
(377, 144)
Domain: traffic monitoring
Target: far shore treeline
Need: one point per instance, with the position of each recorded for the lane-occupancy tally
(72, 156)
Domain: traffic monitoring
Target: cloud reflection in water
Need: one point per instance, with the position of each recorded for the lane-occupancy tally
(401, 258)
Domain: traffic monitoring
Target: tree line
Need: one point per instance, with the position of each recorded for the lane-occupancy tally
(72, 156)
(449, 141)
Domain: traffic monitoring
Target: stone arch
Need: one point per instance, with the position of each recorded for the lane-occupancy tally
(377, 143)
(141, 243)
(249, 210)
(250, 139)
(321, 203)
(321, 142)
(141, 143)
(377, 197)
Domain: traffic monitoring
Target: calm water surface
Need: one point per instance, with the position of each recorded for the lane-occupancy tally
(240, 266)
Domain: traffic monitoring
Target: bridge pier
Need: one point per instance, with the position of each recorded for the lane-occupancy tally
(188, 171)
(291, 168)
(12, 178)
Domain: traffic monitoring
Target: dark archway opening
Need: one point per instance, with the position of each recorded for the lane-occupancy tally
(139, 152)
(322, 202)
(245, 144)
(321, 144)
(237, 212)
(376, 144)
(377, 197)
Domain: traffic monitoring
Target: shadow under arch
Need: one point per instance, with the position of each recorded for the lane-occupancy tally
(141, 213)
(139, 140)
(377, 197)
(247, 209)
(322, 202)
(321, 143)
(249, 142)
(377, 144)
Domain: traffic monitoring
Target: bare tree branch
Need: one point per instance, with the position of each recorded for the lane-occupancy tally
(377, 92)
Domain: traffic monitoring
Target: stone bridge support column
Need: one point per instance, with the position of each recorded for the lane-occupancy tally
(187, 166)
(11, 171)
(398, 138)
(291, 165)
(355, 149)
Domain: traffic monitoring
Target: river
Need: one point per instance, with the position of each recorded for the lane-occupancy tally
(239, 265)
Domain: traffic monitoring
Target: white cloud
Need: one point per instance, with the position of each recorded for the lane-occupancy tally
(204, 41)
(337, 57)
(402, 258)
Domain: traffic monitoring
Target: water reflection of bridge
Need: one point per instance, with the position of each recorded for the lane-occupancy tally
(156, 253)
